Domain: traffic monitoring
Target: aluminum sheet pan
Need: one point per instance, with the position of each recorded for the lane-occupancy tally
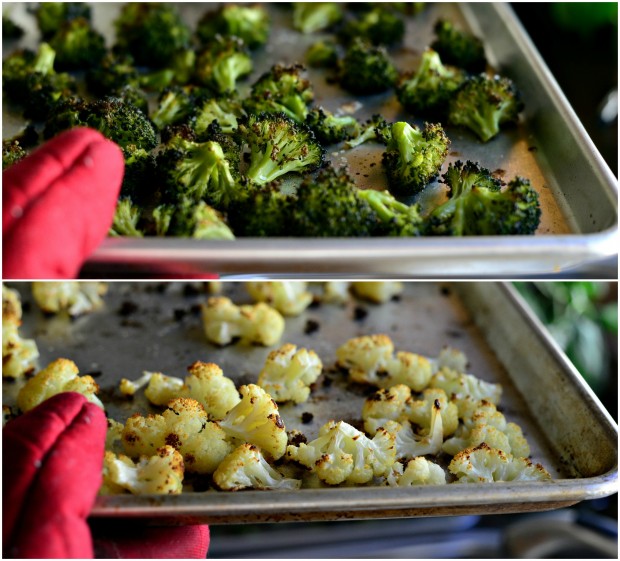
(568, 430)
(578, 192)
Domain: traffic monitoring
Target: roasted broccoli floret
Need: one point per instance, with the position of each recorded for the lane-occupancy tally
(366, 69)
(428, 90)
(310, 17)
(199, 221)
(484, 104)
(395, 218)
(223, 110)
(152, 32)
(330, 128)
(322, 54)
(478, 204)
(413, 157)
(133, 95)
(261, 211)
(278, 145)
(282, 89)
(459, 48)
(114, 71)
(330, 206)
(127, 217)
(379, 25)
(77, 45)
(223, 62)
(51, 16)
(376, 128)
(174, 106)
(16, 147)
(200, 170)
(10, 29)
(250, 23)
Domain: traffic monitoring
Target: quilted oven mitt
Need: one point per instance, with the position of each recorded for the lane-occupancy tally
(52, 459)
(58, 205)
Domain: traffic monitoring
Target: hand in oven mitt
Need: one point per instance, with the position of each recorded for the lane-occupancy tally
(52, 461)
(58, 205)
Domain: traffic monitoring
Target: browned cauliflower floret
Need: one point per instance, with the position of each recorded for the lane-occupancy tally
(59, 376)
(378, 292)
(370, 360)
(418, 471)
(74, 297)
(289, 298)
(184, 426)
(19, 355)
(246, 468)
(421, 410)
(224, 322)
(256, 420)
(160, 474)
(386, 405)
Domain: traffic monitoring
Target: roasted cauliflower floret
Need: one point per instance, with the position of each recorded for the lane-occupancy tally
(58, 376)
(378, 292)
(289, 298)
(7, 414)
(160, 389)
(160, 474)
(341, 454)
(184, 426)
(370, 360)
(19, 355)
(74, 297)
(256, 420)
(386, 405)
(460, 385)
(288, 373)
(224, 322)
(246, 467)
(418, 471)
(114, 437)
(421, 411)
(207, 384)
(452, 358)
(485, 464)
(336, 292)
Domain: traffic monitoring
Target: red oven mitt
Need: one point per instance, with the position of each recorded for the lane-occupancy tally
(58, 205)
(52, 459)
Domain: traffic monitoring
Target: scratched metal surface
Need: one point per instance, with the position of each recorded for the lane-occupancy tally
(549, 146)
(163, 333)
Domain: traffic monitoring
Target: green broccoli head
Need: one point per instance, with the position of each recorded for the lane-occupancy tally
(366, 68)
(152, 32)
(51, 16)
(380, 26)
(127, 218)
(330, 206)
(459, 48)
(429, 89)
(484, 103)
(413, 157)
(278, 145)
(310, 17)
(114, 71)
(250, 23)
(223, 110)
(395, 219)
(174, 106)
(223, 62)
(77, 45)
(12, 152)
(198, 221)
(197, 171)
(282, 89)
(139, 176)
(479, 204)
(376, 128)
(332, 129)
(261, 211)
(133, 95)
(322, 54)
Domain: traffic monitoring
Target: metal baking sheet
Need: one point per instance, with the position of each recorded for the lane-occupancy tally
(578, 191)
(156, 327)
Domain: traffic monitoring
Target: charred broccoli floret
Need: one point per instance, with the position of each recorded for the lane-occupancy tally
(198, 221)
(261, 211)
(223, 110)
(413, 156)
(310, 17)
(322, 54)
(139, 175)
(222, 63)
(366, 69)
(112, 73)
(278, 145)
(379, 25)
(174, 106)
(330, 205)
(16, 148)
(250, 23)
(429, 89)
(51, 16)
(459, 48)
(282, 89)
(484, 103)
(133, 95)
(376, 128)
(330, 128)
(200, 170)
(395, 218)
(478, 205)
(152, 32)
(77, 45)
